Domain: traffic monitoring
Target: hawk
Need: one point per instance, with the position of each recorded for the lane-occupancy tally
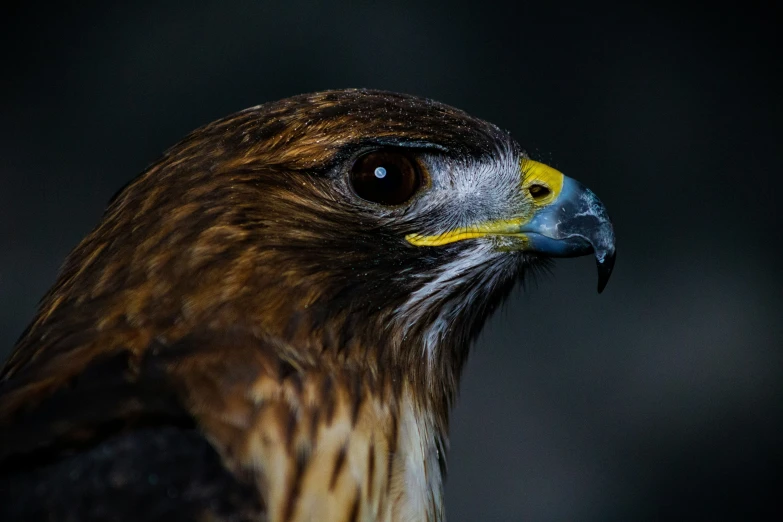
(270, 322)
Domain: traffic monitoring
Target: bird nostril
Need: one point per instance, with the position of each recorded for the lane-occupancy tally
(538, 191)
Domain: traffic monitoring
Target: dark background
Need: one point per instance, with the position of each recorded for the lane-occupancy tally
(658, 400)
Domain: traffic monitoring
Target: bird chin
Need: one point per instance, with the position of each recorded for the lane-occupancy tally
(509, 244)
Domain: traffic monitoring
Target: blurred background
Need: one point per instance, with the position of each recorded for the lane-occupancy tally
(658, 400)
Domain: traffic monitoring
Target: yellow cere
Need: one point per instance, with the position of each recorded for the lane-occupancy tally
(532, 173)
(535, 173)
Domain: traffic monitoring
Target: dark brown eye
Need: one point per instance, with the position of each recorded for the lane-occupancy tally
(388, 177)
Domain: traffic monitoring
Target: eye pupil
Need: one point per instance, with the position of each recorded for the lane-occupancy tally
(387, 176)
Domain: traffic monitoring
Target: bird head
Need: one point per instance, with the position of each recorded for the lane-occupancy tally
(353, 227)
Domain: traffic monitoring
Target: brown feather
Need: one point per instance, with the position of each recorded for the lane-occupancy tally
(232, 286)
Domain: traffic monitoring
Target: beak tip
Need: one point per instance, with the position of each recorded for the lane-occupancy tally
(605, 268)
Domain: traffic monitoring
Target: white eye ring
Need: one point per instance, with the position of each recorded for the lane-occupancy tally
(380, 172)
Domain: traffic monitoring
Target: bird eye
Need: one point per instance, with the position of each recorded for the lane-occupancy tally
(388, 177)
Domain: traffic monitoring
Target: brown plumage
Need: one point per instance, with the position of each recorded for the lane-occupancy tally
(238, 300)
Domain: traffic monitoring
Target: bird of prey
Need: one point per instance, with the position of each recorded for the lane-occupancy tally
(270, 322)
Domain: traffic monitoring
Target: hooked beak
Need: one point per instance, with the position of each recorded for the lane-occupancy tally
(574, 223)
(567, 220)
